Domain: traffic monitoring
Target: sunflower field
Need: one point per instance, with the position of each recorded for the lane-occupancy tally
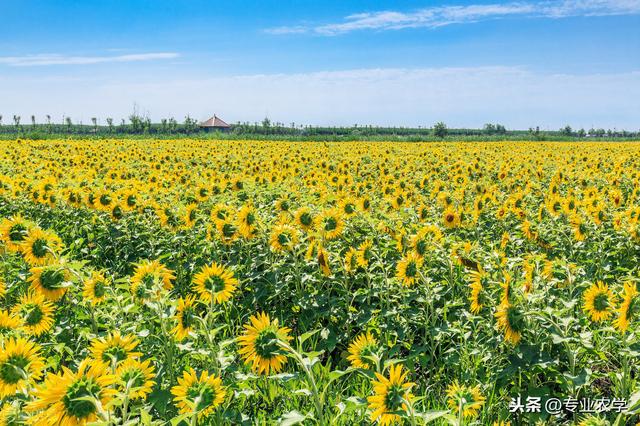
(187, 282)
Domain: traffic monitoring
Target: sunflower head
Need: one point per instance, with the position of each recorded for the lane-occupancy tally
(463, 398)
(599, 301)
(96, 288)
(20, 364)
(51, 280)
(391, 396)
(260, 344)
(361, 350)
(408, 269)
(215, 282)
(198, 395)
(135, 378)
(35, 313)
(114, 348)
(40, 247)
(186, 317)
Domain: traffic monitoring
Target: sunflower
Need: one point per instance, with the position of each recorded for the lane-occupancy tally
(198, 395)
(11, 414)
(579, 228)
(598, 302)
(135, 378)
(191, 215)
(95, 288)
(627, 307)
(304, 218)
(50, 280)
(149, 278)
(364, 254)
(451, 218)
(40, 247)
(215, 282)
(478, 280)
(114, 348)
(71, 398)
(8, 322)
(259, 344)
(350, 262)
(283, 238)
(247, 221)
(20, 364)
(14, 231)
(424, 239)
(221, 212)
(408, 268)
(391, 396)
(185, 316)
(228, 230)
(362, 347)
(35, 313)
(465, 398)
(3, 288)
(330, 224)
(323, 261)
(510, 322)
(348, 207)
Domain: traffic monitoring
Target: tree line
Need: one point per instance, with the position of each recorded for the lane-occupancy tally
(142, 125)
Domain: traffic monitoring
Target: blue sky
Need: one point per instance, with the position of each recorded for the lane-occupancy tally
(522, 63)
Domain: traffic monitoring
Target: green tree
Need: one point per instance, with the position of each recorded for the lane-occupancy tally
(440, 130)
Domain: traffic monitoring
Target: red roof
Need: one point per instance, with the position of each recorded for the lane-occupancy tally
(214, 122)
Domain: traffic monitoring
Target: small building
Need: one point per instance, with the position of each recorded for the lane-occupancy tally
(214, 124)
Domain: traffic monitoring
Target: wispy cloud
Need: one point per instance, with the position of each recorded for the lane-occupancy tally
(55, 59)
(434, 17)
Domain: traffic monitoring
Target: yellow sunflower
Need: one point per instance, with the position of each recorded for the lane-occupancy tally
(304, 218)
(95, 288)
(35, 313)
(215, 282)
(511, 322)
(364, 254)
(8, 323)
(149, 278)
(135, 378)
(408, 268)
(185, 317)
(114, 348)
(391, 396)
(477, 285)
(20, 365)
(362, 347)
(627, 307)
(248, 220)
(350, 260)
(323, 261)
(330, 223)
(71, 398)
(40, 247)
(451, 218)
(259, 345)
(465, 398)
(227, 230)
(51, 280)
(14, 231)
(198, 395)
(599, 301)
(283, 238)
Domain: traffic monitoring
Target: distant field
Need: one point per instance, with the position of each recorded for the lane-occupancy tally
(245, 282)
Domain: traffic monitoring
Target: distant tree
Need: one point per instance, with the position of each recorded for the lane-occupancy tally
(110, 124)
(567, 130)
(16, 120)
(440, 130)
(136, 122)
(68, 123)
(173, 125)
(94, 121)
(582, 133)
(500, 129)
(190, 124)
(266, 123)
(0, 119)
(146, 125)
(489, 128)
(33, 121)
(163, 125)
(49, 129)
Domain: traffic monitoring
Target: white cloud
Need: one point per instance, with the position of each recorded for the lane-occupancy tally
(54, 59)
(462, 97)
(433, 17)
